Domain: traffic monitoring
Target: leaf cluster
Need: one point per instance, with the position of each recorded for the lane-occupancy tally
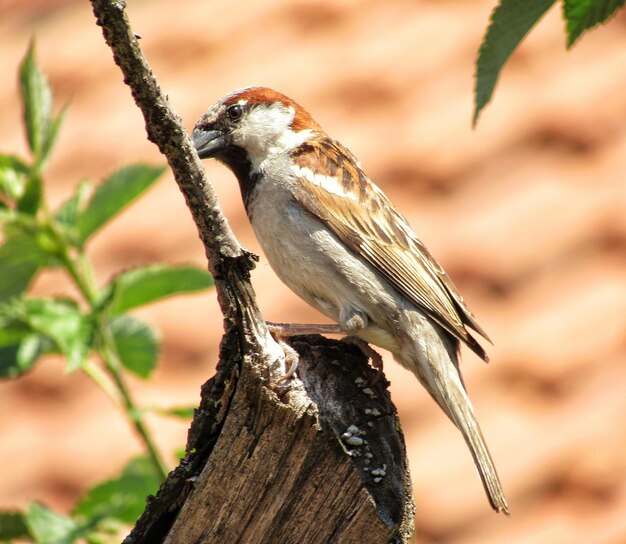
(35, 238)
(97, 518)
(512, 20)
(94, 332)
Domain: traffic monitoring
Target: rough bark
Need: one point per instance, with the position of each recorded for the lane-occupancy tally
(320, 459)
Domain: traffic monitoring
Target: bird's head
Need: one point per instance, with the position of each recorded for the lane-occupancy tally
(252, 124)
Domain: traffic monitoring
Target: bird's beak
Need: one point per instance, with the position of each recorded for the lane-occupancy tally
(208, 142)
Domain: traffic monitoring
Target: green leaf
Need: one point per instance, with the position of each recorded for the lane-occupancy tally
(510, 21)
(114, 194)
(13, 175)
(8, 361)
(20, 258)
(12, 329)
(51, 135)
(12, 333)
(37, 102)
(12, 526)
(17, 359)
(137, 344)
(20, 347)
(68, 213)
(122, 498)
(582, 15)
(108, 531)
(30, 200)
(31, 348)
(62, 322)
(48, 527)
(145, 285)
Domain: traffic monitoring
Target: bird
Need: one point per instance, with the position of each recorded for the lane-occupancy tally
(334, 238)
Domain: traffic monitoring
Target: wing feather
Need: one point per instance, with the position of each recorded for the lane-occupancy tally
(365, 220)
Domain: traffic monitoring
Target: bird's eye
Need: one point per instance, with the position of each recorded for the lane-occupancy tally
(234, 112)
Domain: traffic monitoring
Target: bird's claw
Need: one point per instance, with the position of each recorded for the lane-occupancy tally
(291, 355)
(291, 360)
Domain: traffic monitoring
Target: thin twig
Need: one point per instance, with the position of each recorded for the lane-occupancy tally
(229, 263)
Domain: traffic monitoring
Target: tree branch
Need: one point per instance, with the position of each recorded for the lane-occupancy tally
(320, 459)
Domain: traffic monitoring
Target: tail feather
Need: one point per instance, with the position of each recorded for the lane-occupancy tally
(462, 415)
(439, 374)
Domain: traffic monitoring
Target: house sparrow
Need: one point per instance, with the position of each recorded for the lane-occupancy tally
(335, 239)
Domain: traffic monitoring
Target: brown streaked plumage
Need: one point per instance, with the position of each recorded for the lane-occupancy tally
(372, 227)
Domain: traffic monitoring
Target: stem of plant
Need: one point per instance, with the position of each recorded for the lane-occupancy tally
(113, 365)
(83, 279)
(103, 381)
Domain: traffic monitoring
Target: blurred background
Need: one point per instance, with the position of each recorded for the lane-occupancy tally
(527, 213)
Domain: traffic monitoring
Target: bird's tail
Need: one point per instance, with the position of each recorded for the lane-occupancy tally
(462, 415)
(441, 377)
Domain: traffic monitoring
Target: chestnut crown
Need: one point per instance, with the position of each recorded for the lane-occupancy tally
(257, 121)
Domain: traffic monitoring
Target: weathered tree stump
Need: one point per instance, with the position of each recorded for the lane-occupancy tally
(320, 461)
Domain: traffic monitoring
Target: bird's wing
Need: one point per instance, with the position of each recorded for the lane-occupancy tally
(366, 221)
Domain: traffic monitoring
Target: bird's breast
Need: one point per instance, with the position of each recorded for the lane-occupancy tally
(311, 260)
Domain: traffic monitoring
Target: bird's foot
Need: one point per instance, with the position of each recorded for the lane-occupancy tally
(291, 360)
(282, 330)
(279, 331)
